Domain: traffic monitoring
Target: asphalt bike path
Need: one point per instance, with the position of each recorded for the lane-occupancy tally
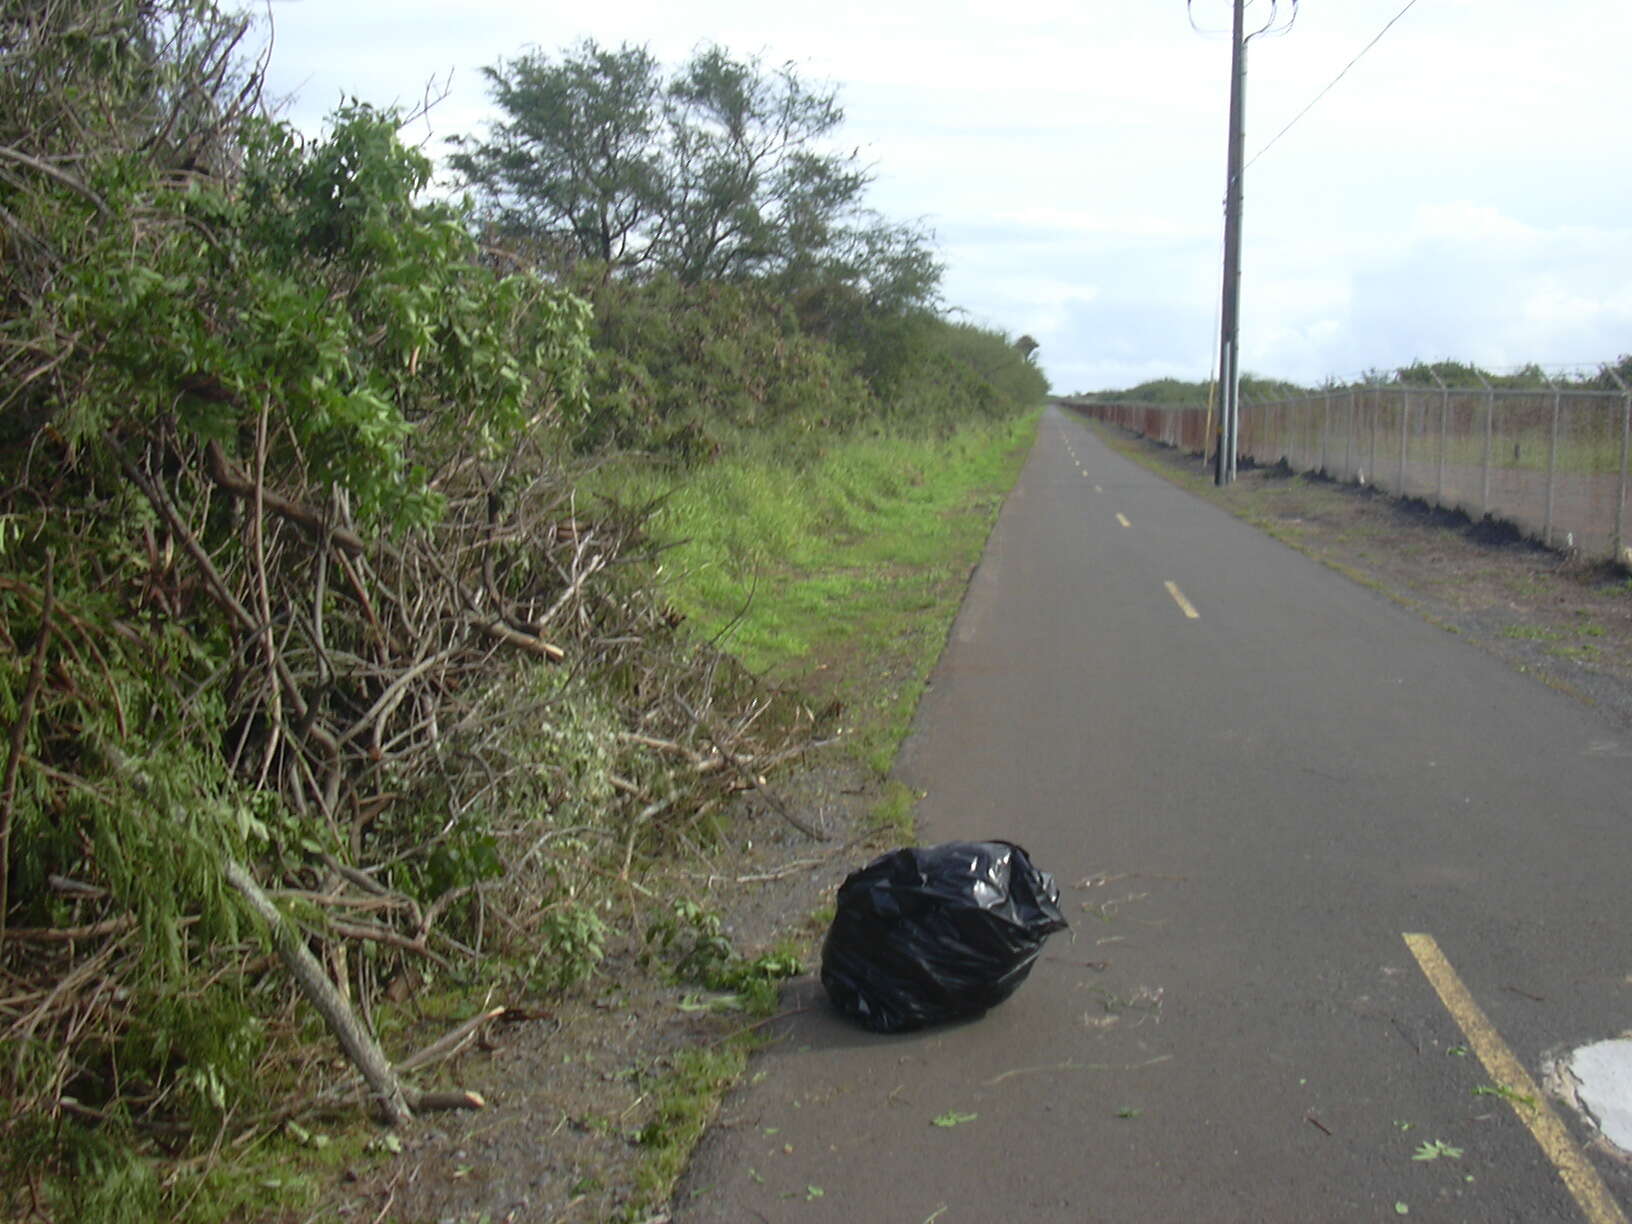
(1340, 886)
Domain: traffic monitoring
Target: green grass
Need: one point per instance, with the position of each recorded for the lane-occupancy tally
(1532, 633)
(1581, 650)
(275, 1174)
(842, 574)
(687, 1095)
(891, 818)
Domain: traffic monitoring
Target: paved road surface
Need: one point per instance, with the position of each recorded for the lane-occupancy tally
(1247, 810)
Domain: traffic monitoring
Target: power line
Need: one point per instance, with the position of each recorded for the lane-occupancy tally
(1272, 26)
(1409, 5)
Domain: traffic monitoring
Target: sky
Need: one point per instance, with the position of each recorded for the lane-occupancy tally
(1464, 192)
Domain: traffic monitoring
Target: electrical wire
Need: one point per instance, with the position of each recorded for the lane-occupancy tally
(1269, 27)
(1409, 5)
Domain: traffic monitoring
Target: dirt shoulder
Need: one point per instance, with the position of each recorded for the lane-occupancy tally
(595, 1097)
(1548, 614)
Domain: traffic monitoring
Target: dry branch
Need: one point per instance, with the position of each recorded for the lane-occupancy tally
(428, 1102)
(359, 1044)
(18, 157)
(235, 482)
(753, 779)
(94, 930)
(503, 633)
(385, 935)
(452, 1042)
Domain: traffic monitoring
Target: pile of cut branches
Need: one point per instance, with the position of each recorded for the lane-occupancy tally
(302, 626)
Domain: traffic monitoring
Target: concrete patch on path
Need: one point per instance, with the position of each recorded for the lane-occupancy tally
(1603, 1085)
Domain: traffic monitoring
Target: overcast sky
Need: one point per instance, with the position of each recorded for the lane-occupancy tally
(1464, 192)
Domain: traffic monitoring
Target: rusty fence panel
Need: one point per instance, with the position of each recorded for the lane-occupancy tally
(1551, 461)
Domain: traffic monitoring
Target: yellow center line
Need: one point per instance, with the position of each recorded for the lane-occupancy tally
(1578, 1175)
(1184, 604)
(1097, 489)
(1123, 519)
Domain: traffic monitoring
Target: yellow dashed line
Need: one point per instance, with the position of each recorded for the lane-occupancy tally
(1097, 489)
(1578, 1175)
(1184, 604)
(1123, 519)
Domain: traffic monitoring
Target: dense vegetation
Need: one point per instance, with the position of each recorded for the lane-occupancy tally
(1177, 392)
(739, 280)
(301, 591)
(1453, 374)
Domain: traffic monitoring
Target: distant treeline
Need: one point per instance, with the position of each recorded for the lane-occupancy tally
(1453, 374)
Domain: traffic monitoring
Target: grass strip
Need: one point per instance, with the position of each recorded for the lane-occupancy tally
(840, 576)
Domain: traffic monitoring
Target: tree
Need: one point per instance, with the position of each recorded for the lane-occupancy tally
(719, 173)
(752, 193)
(580, 164)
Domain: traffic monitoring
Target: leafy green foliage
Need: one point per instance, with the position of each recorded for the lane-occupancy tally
(1435, 1149)
(313, 294)
(315, 291)
(687, 368)
(106, 1182)
(189, 289)
(1452, 375)
(577, 165)
(698, 370)
(703, 956)
(718, 173)
(570, 943)
(740, 284)
(1174, 391)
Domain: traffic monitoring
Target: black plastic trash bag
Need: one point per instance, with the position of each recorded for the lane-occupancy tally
(935, 933)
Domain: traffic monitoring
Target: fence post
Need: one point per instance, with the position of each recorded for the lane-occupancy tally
(1373, 461)
(1552, 464)
(1405, 433)
(1444, 434)
(1325, 430)
(1348, 437)
(1243, 406)
(1490, 441)
(1620, 491)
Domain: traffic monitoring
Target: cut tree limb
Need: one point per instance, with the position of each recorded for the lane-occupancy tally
(751, 777)
(94, 930)
(358, 1043)
(503, 632)
(239, 485)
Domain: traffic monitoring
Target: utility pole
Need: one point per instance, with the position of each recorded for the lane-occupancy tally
(1279, 18)
(1229, 344)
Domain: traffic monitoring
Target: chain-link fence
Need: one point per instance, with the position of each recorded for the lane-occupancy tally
(1553, 461)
